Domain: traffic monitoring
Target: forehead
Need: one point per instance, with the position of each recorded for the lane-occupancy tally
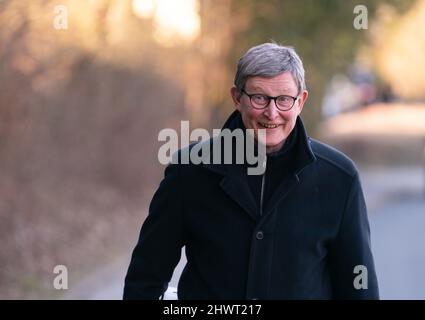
(283, 82)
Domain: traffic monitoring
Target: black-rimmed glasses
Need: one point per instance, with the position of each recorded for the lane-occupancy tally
(261, 101)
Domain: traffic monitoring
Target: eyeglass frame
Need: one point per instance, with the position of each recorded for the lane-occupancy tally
(270, 99)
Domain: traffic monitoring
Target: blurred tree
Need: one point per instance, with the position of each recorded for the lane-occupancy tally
(321, 31)
(80, 110)
(397, 49)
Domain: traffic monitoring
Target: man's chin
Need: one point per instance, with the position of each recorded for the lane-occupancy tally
(272, 146)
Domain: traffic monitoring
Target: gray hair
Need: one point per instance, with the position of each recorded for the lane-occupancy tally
(269, 60)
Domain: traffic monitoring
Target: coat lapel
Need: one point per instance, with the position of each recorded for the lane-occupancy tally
(236, 187)
(280, 193)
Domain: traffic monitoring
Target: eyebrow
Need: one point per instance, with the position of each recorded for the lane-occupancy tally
(286, 90)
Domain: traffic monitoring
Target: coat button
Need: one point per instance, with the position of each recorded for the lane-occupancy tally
(259, 235)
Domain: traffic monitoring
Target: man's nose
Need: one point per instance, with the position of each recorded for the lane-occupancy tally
(271, 110)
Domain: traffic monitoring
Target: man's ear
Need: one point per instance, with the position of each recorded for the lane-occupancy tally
(236, 97)
(301, 100)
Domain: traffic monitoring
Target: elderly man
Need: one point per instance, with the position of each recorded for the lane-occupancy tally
(299, 230)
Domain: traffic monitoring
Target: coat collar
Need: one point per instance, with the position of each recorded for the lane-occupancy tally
(304, 152)
(234, 182)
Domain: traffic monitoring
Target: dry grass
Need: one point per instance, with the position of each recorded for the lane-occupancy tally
(76, 168)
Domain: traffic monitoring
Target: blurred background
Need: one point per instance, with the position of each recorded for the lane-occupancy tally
(86, 86)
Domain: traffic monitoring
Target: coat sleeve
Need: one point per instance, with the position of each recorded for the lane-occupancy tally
(352, 267)
(160, 241)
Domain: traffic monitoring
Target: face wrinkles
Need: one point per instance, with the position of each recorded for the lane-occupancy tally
(278, 124)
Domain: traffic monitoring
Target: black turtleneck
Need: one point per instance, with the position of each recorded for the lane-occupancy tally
(280, 164)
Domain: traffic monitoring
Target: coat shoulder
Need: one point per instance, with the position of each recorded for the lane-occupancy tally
(335, 158)
(190, 161)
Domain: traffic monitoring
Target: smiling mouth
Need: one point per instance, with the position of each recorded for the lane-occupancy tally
(269, 125)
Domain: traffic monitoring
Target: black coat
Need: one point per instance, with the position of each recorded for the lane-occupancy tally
(312, 233)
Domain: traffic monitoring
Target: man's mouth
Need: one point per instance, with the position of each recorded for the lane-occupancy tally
(269, 125)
